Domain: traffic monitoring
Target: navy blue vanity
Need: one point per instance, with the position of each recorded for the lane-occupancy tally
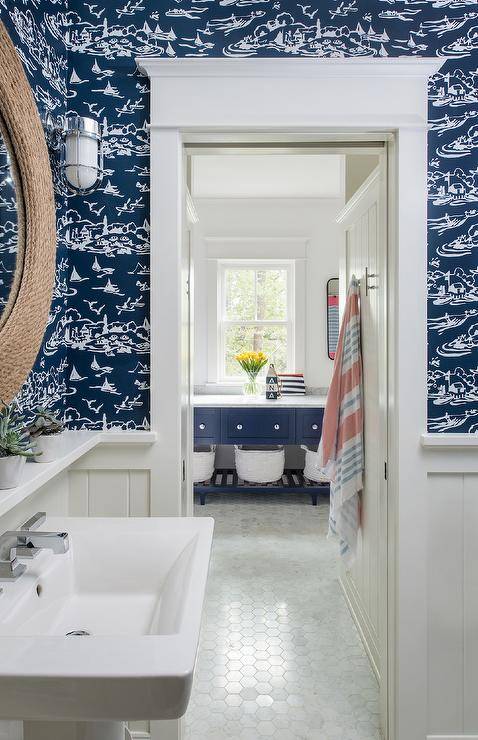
(288, 421)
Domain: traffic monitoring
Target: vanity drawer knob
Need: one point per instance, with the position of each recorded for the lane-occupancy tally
(315, 427)
(202, 426)
(239, 426)
(276, 427)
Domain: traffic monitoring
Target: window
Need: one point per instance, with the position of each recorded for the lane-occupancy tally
(255, 312)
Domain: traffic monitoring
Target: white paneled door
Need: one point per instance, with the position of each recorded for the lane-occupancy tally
(365, 584)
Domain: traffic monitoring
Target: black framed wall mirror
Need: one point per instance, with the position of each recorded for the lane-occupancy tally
(332, 316)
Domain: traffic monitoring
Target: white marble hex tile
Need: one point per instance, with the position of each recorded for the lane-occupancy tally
(279, 655)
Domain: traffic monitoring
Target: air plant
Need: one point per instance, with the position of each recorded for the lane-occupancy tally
(14, 439)
(45, 423)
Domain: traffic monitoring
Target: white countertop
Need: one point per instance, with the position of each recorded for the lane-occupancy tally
(239, 401)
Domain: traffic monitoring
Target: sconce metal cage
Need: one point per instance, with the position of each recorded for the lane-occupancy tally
(79, 132)
(79, 143)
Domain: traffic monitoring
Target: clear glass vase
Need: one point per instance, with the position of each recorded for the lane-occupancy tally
(252, 386)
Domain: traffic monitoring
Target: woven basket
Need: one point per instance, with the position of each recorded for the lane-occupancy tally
(203, 463)
(311, 472)
(259, 465)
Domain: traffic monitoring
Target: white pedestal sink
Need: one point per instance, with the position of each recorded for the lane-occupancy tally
(136, 586)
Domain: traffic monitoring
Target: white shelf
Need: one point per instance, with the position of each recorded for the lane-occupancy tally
(455, 441)
(35, 475)
(76, 444)
(239, 401)
(128, 438)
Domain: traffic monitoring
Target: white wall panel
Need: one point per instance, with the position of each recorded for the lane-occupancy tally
(108, 493)
(452, 544)
(139, 493)
(78, 493)
(104, 492)
(470, 596)
(445, 604)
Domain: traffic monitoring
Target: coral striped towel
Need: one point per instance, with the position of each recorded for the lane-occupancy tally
(340, 455)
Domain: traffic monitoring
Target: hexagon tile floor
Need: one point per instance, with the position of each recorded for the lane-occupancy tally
(279, 655)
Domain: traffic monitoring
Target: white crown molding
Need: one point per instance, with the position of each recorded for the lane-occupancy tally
(219, 93)
(300, 67)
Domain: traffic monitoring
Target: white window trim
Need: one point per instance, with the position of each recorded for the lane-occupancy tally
(295, 313)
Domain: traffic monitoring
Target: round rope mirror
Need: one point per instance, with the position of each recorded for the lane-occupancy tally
(32, 237)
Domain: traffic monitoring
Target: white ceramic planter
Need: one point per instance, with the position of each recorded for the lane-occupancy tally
(49, 445)
(11, 471)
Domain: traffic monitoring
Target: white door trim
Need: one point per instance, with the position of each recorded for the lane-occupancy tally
(192, 96)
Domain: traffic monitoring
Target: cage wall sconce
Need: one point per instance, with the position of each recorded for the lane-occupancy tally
(79, 141)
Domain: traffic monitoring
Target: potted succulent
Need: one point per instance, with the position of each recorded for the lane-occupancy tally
(14, 446)
(46, 433)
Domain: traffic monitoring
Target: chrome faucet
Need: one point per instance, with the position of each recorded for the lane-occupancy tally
(26, 543)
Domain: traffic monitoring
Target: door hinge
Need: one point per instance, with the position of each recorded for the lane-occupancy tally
(184, 470)
(385, 470)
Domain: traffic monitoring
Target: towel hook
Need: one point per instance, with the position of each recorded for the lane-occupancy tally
(367, 276)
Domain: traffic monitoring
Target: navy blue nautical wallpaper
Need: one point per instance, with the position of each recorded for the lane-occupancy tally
(100, 322)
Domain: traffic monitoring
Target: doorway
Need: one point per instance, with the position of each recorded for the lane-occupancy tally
(217, 100)
(245, 230)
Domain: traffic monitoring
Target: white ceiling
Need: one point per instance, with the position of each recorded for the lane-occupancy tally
(267, 176)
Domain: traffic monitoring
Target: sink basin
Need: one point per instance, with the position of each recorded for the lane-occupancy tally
(136, 588)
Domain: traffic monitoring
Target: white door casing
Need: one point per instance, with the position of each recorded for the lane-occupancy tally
(221, 98)
(187, 325)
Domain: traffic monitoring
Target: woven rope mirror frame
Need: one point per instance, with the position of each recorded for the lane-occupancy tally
(22, 330)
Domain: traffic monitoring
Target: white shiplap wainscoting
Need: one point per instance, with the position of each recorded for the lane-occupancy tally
(114, 479)
(452, 563)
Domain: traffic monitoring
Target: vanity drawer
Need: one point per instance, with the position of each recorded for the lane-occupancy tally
(207, 425)
(257, 426)
(308, 425)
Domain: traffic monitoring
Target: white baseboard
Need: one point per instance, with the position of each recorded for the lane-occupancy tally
(361, 622)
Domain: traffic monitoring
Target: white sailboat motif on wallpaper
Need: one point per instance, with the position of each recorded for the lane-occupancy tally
(106, 387)
(75, 277)
(75, 376)
(98, 369)
(109, 287)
